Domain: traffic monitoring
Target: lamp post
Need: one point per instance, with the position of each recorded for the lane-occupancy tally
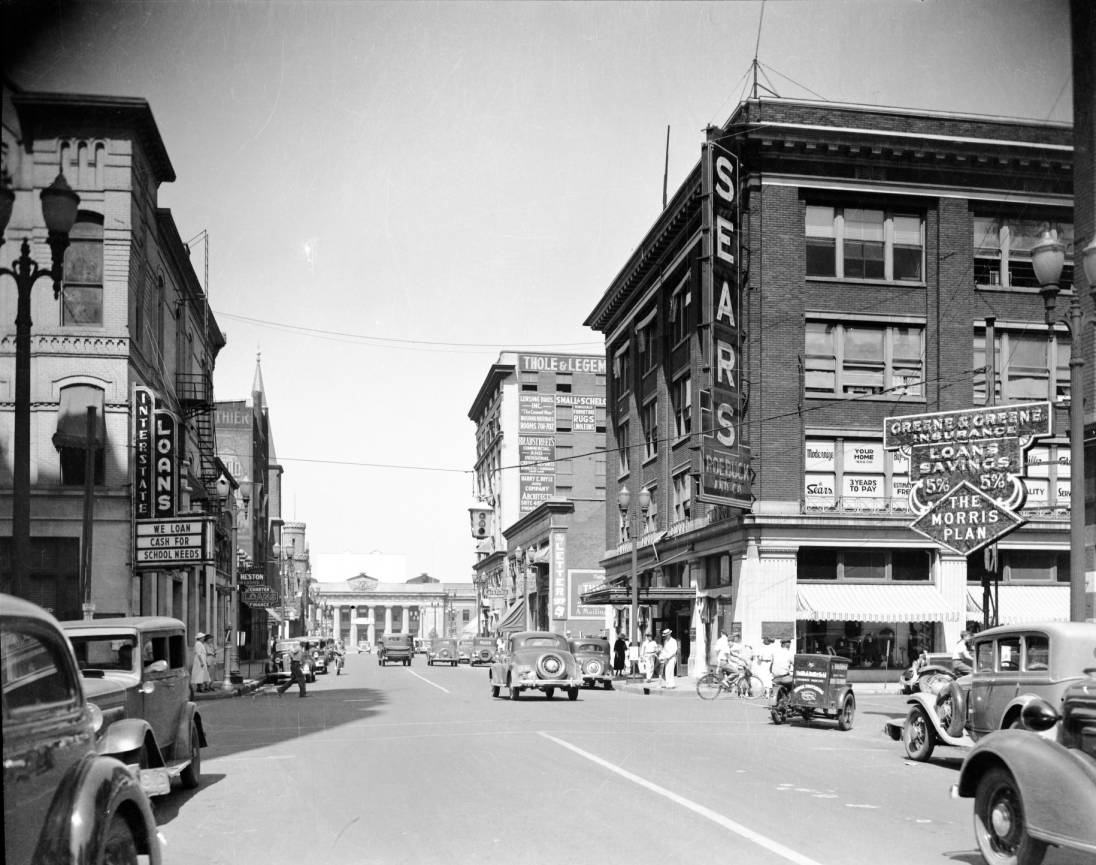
(627, 514)
(59, 205)
(1047, 258)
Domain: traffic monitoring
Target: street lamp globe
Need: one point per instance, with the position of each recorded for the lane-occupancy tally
(1048, 256)
(644, 499)
(59, 204)
(624, 498)
(1088, 261)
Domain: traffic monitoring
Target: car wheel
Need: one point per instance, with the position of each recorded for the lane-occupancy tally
(515, 693)
(999, 826)
(191, 776)
(572, 694)
(848, 710)
(918, 735)
(779, 709)
(549, 693)
(550, 666)
(120, 847)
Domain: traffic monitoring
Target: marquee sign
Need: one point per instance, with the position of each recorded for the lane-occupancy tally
(724, 458)
(173, 543)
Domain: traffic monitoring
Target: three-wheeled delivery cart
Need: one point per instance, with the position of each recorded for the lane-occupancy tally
(818, 687)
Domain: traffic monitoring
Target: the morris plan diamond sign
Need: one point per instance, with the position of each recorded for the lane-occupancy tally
(965, 520)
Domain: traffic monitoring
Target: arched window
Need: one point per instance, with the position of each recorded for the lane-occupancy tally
(70, 439)
(82, 295)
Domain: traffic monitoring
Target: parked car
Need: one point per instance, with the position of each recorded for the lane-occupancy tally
(443, 651)
(1013, 666)
(483, 651)
(926, 671)
(422, 645)
(1029, 791)
(280, 665)
(592, 656)
(63, 800)
(535, 661)
(363, 646)
(136, 670)
(464, 648)
(396, 649)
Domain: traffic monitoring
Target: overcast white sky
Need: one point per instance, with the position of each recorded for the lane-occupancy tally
(395, 192)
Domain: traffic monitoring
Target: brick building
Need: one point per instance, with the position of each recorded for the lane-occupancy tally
(132, 336)
(540, 467)
(822, 268)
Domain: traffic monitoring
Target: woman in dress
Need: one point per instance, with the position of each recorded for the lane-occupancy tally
(620, 649)
(199, 667)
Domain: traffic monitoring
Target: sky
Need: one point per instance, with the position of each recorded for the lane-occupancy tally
(394, 193)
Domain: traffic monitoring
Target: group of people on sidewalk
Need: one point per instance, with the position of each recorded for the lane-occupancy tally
(201, 665)
(649, 659)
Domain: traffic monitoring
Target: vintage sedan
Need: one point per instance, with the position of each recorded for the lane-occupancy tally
(592, 656)
(464, 649)
(535, 661)
(280, 665)
(136, 671)
(483, 651)
(1013, 666)
(63, 800)
(1030, 792)
(443, 651)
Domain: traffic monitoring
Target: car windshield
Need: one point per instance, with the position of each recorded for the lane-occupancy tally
(105, 652)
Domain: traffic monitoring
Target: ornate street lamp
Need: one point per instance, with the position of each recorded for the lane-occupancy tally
(59, 208)
(1047, 259)
(627, 514)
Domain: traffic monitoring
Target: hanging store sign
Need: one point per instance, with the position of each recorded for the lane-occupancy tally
(173, 543)
(143, 410)
(165, 467)
(965, 520)
(579, 582)
(724, 458)
(558, 574)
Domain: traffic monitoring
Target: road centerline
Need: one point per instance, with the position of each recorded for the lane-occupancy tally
(717, 818)
(432, 684)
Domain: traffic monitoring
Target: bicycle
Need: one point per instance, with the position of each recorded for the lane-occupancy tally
(737, 681)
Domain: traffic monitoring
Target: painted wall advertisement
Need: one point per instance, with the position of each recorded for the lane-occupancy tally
(579, 581)
(724, 458)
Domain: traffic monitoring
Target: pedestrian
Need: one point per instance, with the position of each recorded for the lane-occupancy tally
(633, 658)
(668, 658)
(296, 670)
(211, 659)
(649, 652)
(961, 659)
(199, 665)
(763, 667)
(722, 651)
(620, 649)
(783, 661)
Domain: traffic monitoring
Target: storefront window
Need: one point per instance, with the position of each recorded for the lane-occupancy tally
(825, 563)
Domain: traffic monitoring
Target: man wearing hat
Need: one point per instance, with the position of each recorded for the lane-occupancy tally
(668, 657)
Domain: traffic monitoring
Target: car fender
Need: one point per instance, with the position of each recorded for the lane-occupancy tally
(129, 734)
(927, 703)
(96, 786)
(1048, 776)
(182, 731)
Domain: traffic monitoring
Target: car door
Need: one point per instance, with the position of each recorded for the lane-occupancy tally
(46, 728)
(165, 691)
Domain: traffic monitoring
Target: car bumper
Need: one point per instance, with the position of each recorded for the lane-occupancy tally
(542, 684)
(600, 678)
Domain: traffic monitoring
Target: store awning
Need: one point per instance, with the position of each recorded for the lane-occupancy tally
(72, 417)
(513, 620)
(1018, 604)
(872, 603)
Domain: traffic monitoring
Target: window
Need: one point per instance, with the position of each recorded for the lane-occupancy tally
(863, 358)
(622, 448)
(825, 563)
(1024, 359)
(649, 419)
(681, 311)
(683, 496)
(563, 382)
(1024, 566)
(854, 474)
(683, 406)
(564, 459)
(529, 381)
(622, 371)
(82, 293)
(864, 243)
(1047, 476)
(564, 420)
(70, 437)
(650, 519)
(648, 354)
(36, 674)
(1002, 249)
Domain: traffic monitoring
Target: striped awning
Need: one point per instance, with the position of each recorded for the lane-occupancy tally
(514, 620)
(872, 603)
(1019, 604)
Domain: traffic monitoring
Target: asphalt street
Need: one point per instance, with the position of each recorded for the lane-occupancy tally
(420, 765)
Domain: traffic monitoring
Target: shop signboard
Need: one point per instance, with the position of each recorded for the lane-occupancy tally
(558, 575)
(173, 543)
(724, 458)
(580, 581)
(965, 520)
(143, 407)
(261, 596)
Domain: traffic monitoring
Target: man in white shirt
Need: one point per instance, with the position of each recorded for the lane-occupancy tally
(783, 660)
(649, 656)
(668, 656)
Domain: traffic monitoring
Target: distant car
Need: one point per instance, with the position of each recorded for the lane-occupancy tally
(483, 651)
(535, 661)
(395, 649)
(464, 647)
(443, 651)
(281, 667)
(318, 650)
(592, 656)
(1030, 792)
(63, 800)
(136, 671)
(363, 646)
(1014, 665)
(422, 645)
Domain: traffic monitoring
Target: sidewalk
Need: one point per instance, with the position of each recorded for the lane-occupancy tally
(686, 686)
(223, 690)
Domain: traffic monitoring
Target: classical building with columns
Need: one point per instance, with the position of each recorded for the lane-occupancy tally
(363, 609)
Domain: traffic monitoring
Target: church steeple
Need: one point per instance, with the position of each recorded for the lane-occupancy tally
(258, 392)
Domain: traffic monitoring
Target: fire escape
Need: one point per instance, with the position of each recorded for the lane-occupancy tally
(195, 392)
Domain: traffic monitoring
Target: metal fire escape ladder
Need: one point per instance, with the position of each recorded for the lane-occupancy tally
(196, 398)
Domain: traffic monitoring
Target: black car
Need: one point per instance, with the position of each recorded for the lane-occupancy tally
(63, 801)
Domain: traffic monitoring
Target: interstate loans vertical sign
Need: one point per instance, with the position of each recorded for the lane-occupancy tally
(143, 405)
(724, 458)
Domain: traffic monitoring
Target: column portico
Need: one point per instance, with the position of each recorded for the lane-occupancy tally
(388, 618)
(405, 619)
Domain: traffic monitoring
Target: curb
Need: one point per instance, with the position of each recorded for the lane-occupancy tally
(224, 691)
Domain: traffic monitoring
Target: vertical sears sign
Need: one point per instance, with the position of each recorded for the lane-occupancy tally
(724, 458)
(142, 452)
